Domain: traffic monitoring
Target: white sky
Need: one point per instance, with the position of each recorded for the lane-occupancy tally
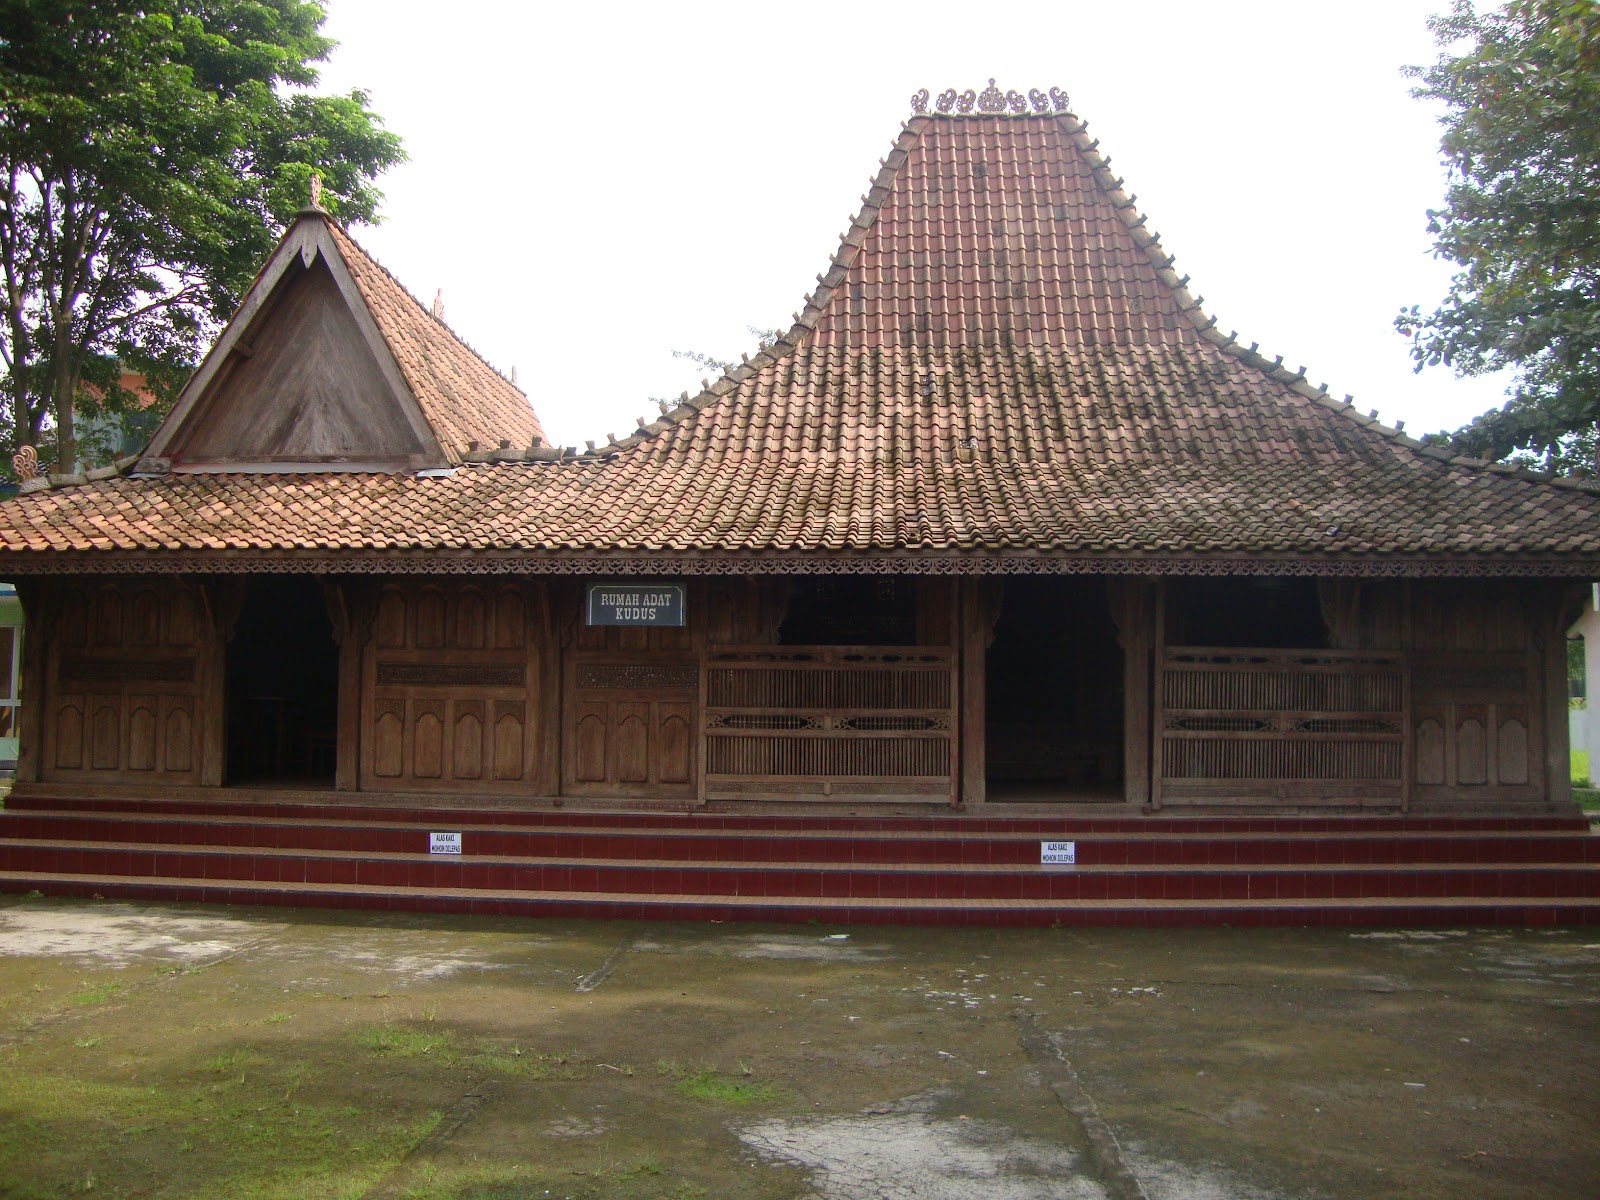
(594, 186)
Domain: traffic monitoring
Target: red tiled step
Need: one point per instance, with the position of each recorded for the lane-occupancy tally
(46, 859)
(945, 846)
(1420, 911)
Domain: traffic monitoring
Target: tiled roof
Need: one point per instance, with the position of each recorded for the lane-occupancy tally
(464, 399)
(998, 364)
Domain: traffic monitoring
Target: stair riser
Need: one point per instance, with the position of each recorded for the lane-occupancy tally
(1054, 826)
(1399, 915)
(1101, 851)
(1244, 884)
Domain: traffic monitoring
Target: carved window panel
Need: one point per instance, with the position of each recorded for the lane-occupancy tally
(177, 722)
(143, 732)
(388, 739)
(1511, 749)
(509, 720)
(675, 748)
(144, 619)
(105, 730)
(632, 737)
(427, 740)
(466, 738)
(1472, 747)
(592, 726)
(182, 627)
(431, 619)
(69, 727)
(471, 620)
(390, 626)
(74, 621)
(106, 617)
(510, 620)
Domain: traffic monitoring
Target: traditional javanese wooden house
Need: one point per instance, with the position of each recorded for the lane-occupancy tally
(1004, 543)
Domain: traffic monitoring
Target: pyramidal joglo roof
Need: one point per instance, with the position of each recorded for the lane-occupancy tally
(999, 370)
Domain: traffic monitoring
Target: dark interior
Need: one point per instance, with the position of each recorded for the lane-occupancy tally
(1273, 612)
(851, 610)
(283, 681)
(1054, 693)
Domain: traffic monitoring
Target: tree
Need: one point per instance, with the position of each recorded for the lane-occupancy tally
(150, 153)
(1521, 89)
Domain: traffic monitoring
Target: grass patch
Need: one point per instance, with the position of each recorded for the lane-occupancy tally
(478, 1055)
(1580, 768)
(233, 1144)
(706, 1083)
(96, 993)
(396, 1041)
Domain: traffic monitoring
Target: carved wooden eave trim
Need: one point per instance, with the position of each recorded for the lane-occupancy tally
(307, 240)
(347, 562)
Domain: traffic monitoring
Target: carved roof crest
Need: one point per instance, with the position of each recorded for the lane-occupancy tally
(991, 100)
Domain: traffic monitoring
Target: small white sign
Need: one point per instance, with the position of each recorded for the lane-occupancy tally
(1058, 852)
(444, 843)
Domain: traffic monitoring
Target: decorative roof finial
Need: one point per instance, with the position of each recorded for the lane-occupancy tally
(316, 190)
(438, 305)
(25, 462)
(992, 101)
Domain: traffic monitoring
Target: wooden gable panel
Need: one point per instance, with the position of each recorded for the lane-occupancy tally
(305, 386)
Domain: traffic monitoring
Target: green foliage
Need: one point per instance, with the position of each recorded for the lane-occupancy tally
(1521, 89)
(150, 153)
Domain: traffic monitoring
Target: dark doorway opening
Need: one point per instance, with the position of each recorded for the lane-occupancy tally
(283, 685)
(1055, 693)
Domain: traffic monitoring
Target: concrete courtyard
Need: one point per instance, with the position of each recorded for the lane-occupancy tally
(165, 1051)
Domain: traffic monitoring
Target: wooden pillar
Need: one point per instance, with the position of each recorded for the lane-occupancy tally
(544, 643)
(1158, 654)
(979, 607)
(220, 602)
(351, 605)
(1133, 609)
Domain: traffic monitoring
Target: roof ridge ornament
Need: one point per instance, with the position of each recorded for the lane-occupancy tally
(25, 462)
(991, 101)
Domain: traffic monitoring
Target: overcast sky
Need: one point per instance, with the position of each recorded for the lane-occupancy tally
(595, 186)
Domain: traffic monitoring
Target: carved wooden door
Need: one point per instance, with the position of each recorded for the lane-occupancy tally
(630, 722)
(451, 690)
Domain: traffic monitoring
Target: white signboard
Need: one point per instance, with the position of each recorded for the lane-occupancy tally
(444, 843)
(1058, 852)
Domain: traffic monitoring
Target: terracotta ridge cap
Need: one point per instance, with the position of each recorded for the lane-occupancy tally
(66, 479)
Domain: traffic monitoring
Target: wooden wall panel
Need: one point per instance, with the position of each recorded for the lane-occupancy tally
(126, 680)
(1476, 683)
(454, 687)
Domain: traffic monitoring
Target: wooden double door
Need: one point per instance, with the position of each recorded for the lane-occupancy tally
(631, 728)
